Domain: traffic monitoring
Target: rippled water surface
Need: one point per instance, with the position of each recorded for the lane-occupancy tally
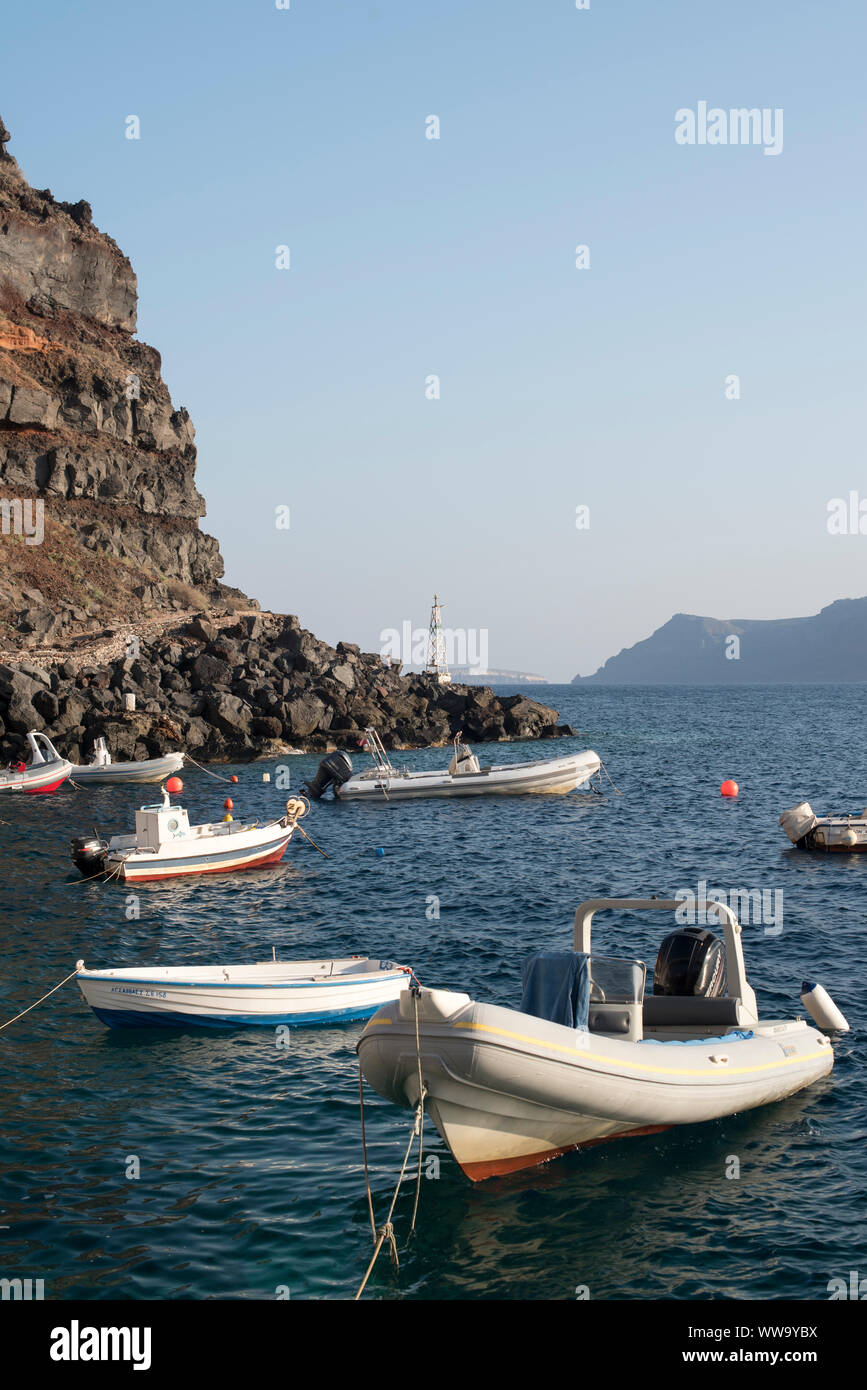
(249, 1153)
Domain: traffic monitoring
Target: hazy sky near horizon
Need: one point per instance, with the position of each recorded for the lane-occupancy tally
(560, 387)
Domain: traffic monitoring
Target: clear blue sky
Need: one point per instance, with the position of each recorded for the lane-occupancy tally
(409, 256)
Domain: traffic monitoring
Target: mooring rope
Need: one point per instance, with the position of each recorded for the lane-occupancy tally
(202, 767)
(608, 775)
(386, 1231)
(38, 1001)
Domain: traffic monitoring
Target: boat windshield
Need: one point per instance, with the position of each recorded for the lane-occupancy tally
(614, 980)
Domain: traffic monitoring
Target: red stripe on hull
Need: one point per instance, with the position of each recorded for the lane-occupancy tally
(497, 1168)
(41, 791)
(273, 858)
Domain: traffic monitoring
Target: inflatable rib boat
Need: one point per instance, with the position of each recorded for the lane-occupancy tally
(45, 772)
(464, 776)
(589, 1056)
(101, 771)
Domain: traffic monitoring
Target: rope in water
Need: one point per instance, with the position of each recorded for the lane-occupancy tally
(38, 1001)
(608, 775)
(386, 1231)
(202, 767)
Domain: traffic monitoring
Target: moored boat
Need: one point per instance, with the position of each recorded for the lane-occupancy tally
(165, 845)
(840, 834)
(102, 771)
(298, 993)
(465, 776)
(588, 1056)
(45, 772)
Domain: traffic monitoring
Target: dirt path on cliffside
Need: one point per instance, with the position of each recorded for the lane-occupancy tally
(100, 648)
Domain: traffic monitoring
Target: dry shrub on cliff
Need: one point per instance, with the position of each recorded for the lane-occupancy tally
(189, 596)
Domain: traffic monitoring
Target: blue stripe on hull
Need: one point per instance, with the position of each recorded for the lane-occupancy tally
(139, 1018)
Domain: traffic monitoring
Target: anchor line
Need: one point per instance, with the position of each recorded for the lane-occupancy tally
(386, 1231)
(608, 775)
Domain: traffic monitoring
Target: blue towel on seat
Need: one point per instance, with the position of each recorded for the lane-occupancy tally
(557, 987)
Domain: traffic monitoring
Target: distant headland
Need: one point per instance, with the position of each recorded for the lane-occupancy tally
(829, 646)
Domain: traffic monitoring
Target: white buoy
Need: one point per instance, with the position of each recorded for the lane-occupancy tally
(821, 1008)
(266, 777)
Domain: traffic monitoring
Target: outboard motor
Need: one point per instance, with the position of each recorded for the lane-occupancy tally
(690, 961)
(88, 855)
(333, 771)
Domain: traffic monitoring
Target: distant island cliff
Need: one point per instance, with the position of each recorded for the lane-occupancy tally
(688, 650)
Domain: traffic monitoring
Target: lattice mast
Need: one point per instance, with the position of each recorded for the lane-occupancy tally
(437, 665)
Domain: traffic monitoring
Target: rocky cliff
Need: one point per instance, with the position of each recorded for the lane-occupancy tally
(688, 650)
(107, 585)
(97, 466)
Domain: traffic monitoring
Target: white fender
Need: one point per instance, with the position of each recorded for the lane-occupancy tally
(821, 1008)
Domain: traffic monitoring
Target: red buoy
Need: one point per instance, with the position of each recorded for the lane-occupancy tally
(228, 804)
(729, 788)
(233, 778)
(174, 784)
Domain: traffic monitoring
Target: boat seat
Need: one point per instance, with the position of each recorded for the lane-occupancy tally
(622, 1021)
(673, 1010)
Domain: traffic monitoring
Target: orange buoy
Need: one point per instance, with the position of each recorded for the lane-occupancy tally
(174, 784)
(233, 778)
(729, 788)
(228, 804)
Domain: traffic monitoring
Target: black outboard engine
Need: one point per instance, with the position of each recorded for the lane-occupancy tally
(691, 961)
(88, 854)
(333, 771)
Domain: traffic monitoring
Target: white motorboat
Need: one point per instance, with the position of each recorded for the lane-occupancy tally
(463, 777)
(101, 771)
(300, 993)
(588, 1056)
(839, 834)
(45, 772)
(165, 845)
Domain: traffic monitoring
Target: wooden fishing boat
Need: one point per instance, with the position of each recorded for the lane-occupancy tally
(298, 993)
(463, 777)
(588, 1056)
(45, 772)
(102, 771)
(165, 845)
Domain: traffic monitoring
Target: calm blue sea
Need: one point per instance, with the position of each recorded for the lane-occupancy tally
(250, 1161)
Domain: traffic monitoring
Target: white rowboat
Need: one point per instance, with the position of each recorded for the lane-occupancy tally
(300, 993)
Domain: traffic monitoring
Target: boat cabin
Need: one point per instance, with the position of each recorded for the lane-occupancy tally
(158, 825)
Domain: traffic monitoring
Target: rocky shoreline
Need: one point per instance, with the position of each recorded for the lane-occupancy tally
(254, 688)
